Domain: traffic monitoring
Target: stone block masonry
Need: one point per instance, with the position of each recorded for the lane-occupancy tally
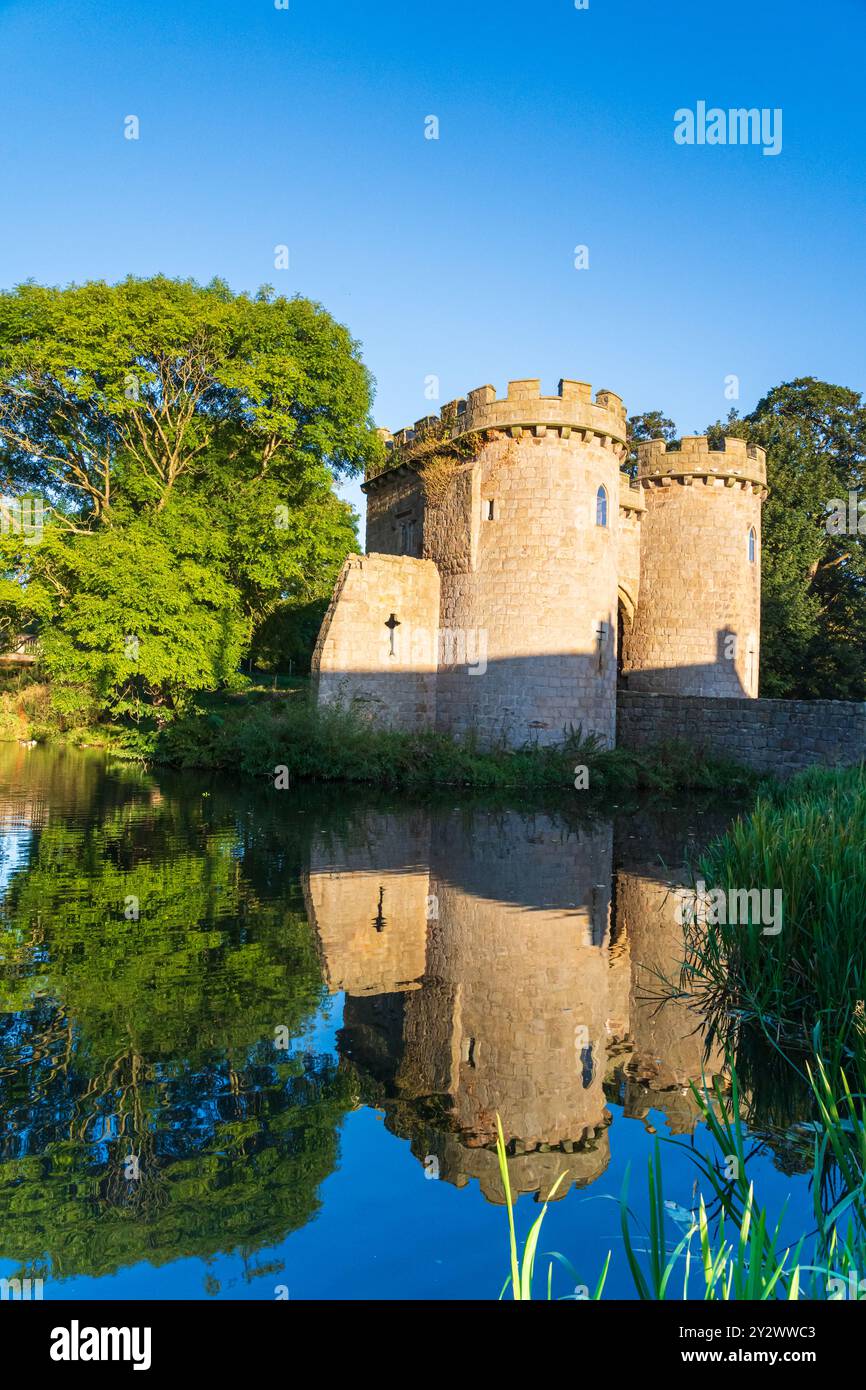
(779, 737)
(513, 527)
(525, 537)
(696, 630)
(379, 671)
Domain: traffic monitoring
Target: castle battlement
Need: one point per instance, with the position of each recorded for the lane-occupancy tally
(737, 462)
(554, 574)
(525, 409)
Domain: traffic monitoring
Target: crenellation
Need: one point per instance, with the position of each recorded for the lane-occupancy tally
(575, 391)
(524, 408)
(696, 458)
(526, 390)
(560, 577)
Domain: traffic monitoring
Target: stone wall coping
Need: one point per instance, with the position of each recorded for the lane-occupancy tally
(696, 458)
(378, 557)
(738, 702)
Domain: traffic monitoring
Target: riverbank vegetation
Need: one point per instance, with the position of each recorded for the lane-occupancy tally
(787, 1008)
(273, 726)
(728, 1246)
(805, 839)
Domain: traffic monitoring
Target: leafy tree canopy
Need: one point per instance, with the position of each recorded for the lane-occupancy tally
(813, 641)
(183, 441)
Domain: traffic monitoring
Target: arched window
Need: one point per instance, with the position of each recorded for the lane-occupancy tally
(753, 541)
(601, 507)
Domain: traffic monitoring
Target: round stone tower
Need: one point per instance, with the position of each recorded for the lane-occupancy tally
(525, 536)
(696, 628)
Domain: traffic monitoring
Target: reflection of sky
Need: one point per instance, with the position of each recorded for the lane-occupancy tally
(14, 852)
(385, 1231)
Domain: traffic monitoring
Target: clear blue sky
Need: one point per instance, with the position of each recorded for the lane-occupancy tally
(454, 257)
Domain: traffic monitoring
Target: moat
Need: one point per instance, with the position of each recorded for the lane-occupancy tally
(253, 1043)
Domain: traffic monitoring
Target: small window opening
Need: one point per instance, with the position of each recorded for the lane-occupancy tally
(587, 1067)
(751, 667)
(489, 509)
(753, 542)
(600, 638)
(601, 507)
(392, 624)
(379, 919)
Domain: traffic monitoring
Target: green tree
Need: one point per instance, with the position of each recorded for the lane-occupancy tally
(813, 640)
(184, 441)
(652, 424)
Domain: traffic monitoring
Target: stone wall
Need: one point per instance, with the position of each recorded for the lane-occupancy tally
(631, 510)
(528, 612)
(540, 595)
(354, 665)
(395, 513)
(774, 736)
(519, 607)
(366, 898)
(697, 626)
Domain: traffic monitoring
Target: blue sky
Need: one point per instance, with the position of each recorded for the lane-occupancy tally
(455, 257)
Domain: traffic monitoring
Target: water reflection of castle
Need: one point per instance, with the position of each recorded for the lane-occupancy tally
(485, 969)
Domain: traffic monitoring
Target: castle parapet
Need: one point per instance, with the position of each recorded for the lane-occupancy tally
(524, 410)
(737, 462)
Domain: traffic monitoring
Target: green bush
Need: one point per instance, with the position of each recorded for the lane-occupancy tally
(261, 732)
(25, 712)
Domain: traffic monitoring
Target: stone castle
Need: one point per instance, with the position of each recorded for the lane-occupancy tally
(517, 575)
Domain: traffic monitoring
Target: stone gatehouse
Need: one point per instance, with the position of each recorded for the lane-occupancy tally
(511, 588)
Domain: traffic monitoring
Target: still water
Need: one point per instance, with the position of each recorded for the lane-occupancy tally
(253, 1042)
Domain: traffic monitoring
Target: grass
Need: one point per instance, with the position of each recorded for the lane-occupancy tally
(522, 1273)
(739, 1253)
(807, 839)
(273, 723)
(259, 731)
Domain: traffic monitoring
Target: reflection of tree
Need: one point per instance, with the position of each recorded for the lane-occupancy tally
(147, 1047)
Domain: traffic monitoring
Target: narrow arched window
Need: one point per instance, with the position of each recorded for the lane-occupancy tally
(753, 541)
(601, 507)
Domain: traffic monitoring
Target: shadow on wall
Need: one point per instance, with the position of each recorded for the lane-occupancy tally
(522, 699)
(733, 673)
